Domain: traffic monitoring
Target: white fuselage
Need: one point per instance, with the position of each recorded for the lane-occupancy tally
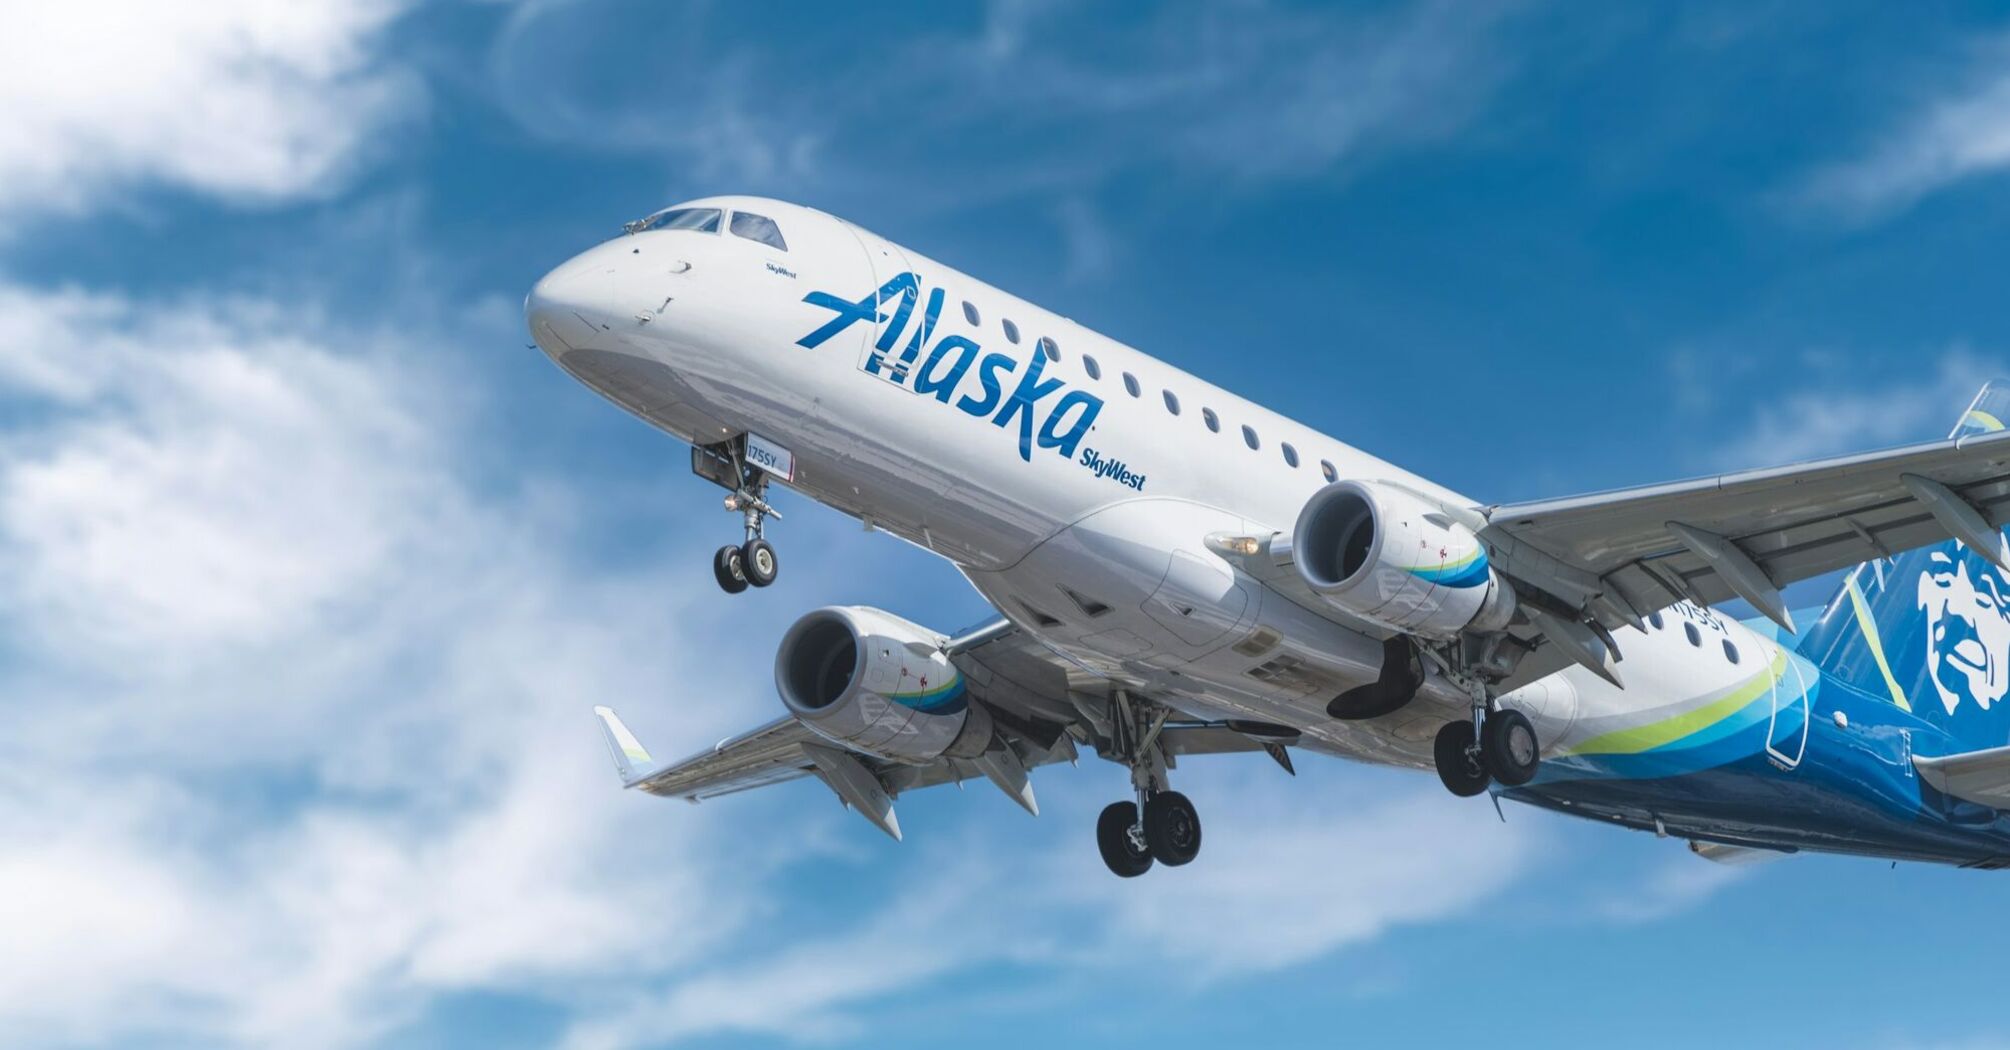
(1082, 519)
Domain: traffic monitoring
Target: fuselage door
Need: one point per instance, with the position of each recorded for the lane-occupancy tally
(1787, 736)
(904, 313)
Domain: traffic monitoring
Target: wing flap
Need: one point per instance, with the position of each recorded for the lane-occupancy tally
(769, 754)
(1792, 522)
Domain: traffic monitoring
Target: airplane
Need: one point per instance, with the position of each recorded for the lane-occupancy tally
(1179, 571)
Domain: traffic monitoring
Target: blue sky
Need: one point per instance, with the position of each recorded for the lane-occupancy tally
(310, 570)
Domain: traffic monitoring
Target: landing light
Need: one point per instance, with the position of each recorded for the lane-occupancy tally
(1224, 543)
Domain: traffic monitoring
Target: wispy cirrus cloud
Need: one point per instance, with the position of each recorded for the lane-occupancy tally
(1680, 883)
(1037, 98)
(1837, 417)
(1959, 132)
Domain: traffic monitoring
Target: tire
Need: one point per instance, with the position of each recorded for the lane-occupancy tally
(1509, 748)
(1462, 776)
(1113, 838)
(728, 570)
(758, 561)
(1172, 828)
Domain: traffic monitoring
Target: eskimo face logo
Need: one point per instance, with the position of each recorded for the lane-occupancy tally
(950, 361)
(1967, 606)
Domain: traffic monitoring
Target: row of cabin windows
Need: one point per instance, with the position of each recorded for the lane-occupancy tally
(1207, 416)
(1052, 351)
(1695, 637)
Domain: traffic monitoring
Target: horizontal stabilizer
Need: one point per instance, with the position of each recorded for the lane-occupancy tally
(1981, 777)
(631, 760)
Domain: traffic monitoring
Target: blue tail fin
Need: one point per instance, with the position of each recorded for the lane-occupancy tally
(1931, 627)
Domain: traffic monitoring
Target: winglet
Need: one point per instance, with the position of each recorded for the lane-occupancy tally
(630, 757)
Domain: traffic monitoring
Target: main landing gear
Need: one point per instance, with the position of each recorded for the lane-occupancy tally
(1161, 825)
(1498, 745)
(753, 562)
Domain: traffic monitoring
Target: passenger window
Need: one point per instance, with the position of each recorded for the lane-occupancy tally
(1011, 332)
(1290, 454)
(970, 315)
(702, 220)
(1050, 348)
(1326, 468)
(1131, 384)
(1695, 639)
(1249, 438)
(1730, 651)
(1213, 421)
(1090, 366)
(1654, 620)
(1172, 403)
(758, 228)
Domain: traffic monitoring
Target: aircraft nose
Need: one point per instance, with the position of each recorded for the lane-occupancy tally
(561, 306)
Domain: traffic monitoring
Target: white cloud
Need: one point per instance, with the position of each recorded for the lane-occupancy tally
(1840, 418)
(1290, 879)
(243, 99)
(1286, 878)
(297, 732)
(1965, 132)
(1677, 885)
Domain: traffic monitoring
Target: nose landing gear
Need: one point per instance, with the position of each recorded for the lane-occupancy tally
(753, 562)
(729, 567)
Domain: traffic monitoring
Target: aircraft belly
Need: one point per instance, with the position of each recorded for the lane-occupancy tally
(1130, 593)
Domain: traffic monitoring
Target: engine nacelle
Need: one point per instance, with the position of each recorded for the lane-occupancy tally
(877, 684)
(1394, 559)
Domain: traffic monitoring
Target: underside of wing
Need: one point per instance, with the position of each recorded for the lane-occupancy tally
(1016, 706)
(1618, 556)
(768, 755)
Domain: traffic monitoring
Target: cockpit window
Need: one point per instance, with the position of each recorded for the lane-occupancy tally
(758, 228)
(703, 220)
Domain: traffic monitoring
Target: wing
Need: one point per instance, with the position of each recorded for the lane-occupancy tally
(1614, 557)
(767, 755)
(1041, 703)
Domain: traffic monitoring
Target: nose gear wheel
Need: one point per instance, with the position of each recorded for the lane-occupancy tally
(753, 562)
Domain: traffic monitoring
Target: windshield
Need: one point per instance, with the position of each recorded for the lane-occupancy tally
(704, 220)
(758, 228)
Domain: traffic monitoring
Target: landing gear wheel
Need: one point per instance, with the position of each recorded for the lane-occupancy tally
(729, 570)
(757, 560)
(1172, 828)
(1463, 775)
(1125, 857)
(1509, 749)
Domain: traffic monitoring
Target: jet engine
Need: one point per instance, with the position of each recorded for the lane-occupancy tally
(1393, 558)
(879, 685)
